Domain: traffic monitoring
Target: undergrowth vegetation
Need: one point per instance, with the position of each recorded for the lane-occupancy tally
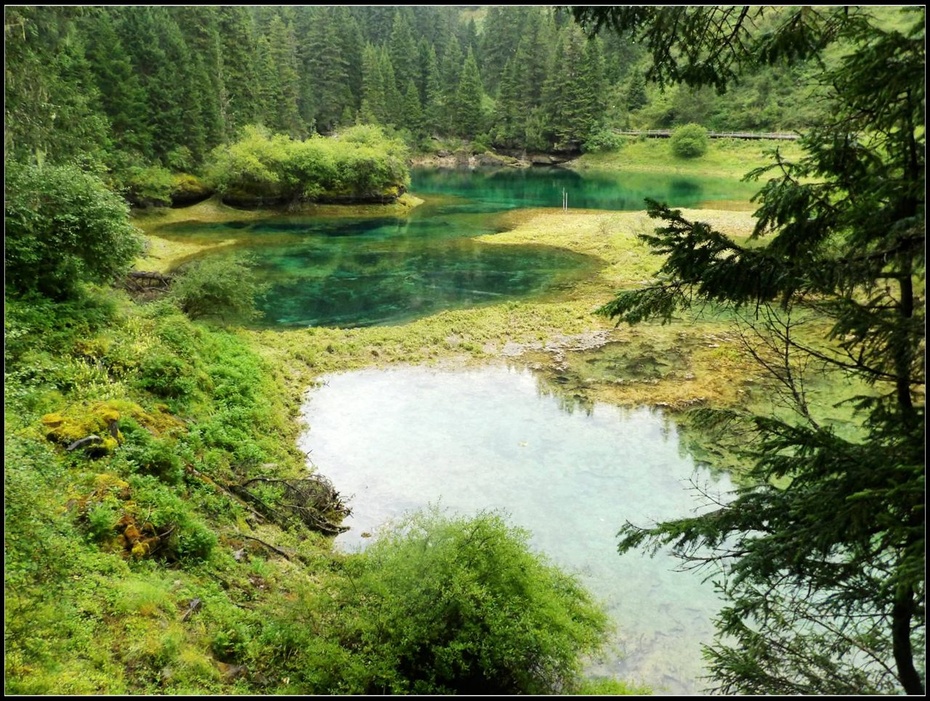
(150, 546)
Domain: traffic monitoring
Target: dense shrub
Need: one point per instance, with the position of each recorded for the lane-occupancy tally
(149, 186)
(603, 140)
(63, 227)
(360, 163)
(689, 141)
(462, 605)
(166, 375)
(217, 286)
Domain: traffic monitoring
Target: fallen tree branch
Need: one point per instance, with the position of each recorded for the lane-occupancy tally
(274, 548)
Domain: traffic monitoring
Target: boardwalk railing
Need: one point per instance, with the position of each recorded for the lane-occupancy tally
(666, 133)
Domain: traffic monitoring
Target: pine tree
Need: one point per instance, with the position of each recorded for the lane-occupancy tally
(503, 30)
(352, 43)
(325, 88)
(636, 92)
(468, 121)
(536, 45)
(374, 104)
(509, 118)
(402, 49)
(121, 95)
(162, 60)
(433, 107)
(393, 99)
(199, 27)
(240, 101)
(450, 71)
(823, 554)
(281, 79)
(51, 99)
(412, 110)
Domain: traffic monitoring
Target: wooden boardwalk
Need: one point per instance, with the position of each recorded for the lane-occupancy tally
(666, 133)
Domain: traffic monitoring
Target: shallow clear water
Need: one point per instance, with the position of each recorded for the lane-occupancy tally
(359, 271)
(487, 438)
(348, 272)
(494, 190)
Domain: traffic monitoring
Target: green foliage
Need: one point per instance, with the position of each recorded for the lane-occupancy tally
(823, 553)
(603, 140)
(149, 186)
(149, 455)
(361, 163)
(462, 605)
(186, 536)
(215, 286)
(63, 228)
(166, 375)
(689, 141)
(609, 687)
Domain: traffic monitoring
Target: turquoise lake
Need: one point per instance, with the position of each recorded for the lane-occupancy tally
(348, 272)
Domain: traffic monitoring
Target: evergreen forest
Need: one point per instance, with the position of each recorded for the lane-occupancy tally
(163, 534)
(131, 88)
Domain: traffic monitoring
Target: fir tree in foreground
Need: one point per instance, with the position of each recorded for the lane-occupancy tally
(822, 557)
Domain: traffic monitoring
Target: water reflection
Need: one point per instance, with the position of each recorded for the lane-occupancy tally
(503, 189)
(491, 438)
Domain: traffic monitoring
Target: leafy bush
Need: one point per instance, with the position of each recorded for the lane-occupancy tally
(361, 162)
(64, 228)
(166, 375)
(149, 186)
(462, 605)
(149, 455)
(217, 286)
(187, 536)
(603, 140)
(689, 141)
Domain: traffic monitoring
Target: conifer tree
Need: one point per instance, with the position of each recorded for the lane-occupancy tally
(51, 98)
(402, 48)
(536, 46)
(374, 105)
(281, 79)
(468, 120)
(412, 110)
(121, 95)
(352, 42)
(240, 101)
(503, 30)
(636, 92)
(509, 117)
(433, 107)
(162, 60)
(393, 98)
(823, 555)
(450, 72)
(199, 27)
(325, 88)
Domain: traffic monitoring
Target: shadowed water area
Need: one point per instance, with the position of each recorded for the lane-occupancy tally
(397, 440)
(364, 270)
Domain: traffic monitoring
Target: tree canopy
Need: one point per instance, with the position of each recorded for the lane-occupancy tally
(63, 228)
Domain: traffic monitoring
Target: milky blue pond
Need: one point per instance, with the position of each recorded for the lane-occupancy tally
(488, 438)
